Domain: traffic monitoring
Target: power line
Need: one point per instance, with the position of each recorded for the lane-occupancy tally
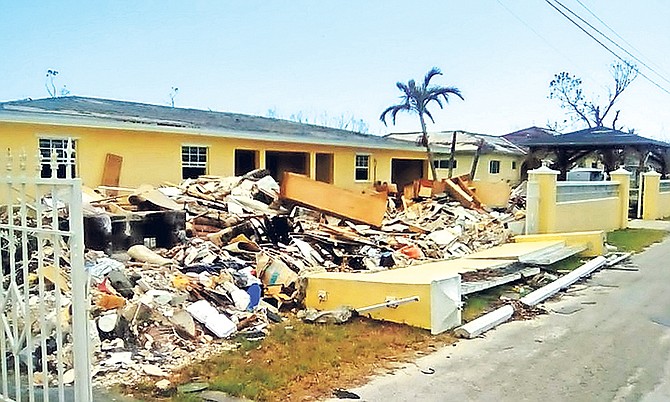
(532, 29)
(618, 36)
(611, 41)
(604, 46)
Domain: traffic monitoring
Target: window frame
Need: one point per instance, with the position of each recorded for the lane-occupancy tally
(514, 165)
(190, 163)
(62, 160)
(494, 162)
(438, 161)
(365, 167)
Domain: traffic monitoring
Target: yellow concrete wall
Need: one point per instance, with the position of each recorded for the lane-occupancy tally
(655, 205)
(357, 293)
(155, 157)
(663, 205)
(575, 216)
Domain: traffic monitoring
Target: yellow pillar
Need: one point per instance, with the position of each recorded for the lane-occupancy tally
(650, 186)
(261, 159)
(622, 176)
(312, 165)
(541, 201)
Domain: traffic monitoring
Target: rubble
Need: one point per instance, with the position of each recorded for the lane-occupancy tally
(237, 252)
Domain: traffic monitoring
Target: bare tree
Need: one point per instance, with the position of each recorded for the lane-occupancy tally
(49, 84)
(343, 122)
(567, 89)
(173, 94)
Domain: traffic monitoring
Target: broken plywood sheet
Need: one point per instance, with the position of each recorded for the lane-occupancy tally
(147, 193)
(111, 172)
(515, 251)
(552, 256)
(347, 204)
(460, 265)
(593, 240)
(478, 286)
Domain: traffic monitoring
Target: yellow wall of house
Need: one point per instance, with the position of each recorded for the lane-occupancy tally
(506, 174)
(155, 157)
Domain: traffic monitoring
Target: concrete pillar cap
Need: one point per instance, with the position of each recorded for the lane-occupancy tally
(544, 170)
(651, 172)
(621, 171)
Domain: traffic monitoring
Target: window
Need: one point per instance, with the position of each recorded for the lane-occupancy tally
(64, 151)
(443, 163)
(193, 161)
(494, 167)
(513, 165)
(362, 167)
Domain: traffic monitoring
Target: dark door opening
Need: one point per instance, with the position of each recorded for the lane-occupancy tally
(324, 168)
(405, 171)
(245, 161)
(279, 162)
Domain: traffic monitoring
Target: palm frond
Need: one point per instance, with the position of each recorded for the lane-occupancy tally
(393, 110)
(405, 106)
(427, 113)
(437, 100)
(429, 75)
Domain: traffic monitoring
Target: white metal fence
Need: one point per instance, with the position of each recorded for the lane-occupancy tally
(585, 190)
(44, 326)
(664, 186)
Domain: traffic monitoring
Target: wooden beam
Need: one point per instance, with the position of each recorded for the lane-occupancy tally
(365, 208)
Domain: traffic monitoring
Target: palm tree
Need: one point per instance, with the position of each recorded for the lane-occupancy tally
(415, 99)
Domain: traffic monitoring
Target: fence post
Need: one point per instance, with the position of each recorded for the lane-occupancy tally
(541, 201)
(622, 176)
(650, 185)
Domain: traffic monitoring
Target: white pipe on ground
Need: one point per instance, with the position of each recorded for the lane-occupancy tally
(563, 282)
(482, 324)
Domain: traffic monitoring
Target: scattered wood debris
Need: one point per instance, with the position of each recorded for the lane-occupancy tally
(177, 270)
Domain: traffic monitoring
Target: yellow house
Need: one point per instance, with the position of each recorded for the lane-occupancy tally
(498, 166)
(134, 143)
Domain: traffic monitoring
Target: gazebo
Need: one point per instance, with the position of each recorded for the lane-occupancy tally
(612, 146)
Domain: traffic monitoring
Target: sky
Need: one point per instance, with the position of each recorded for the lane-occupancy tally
(325, 59)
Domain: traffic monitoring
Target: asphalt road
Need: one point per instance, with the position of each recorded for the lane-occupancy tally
(607, 339)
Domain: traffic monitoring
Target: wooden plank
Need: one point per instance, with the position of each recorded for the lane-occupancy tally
(464, 183)
(111, 172)
(461, 196)
(347, 204)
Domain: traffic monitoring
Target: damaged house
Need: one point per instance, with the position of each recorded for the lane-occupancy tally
(494, 163)
(118, 143)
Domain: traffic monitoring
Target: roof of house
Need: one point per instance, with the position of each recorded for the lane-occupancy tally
(522, 137)
(594, 137)
(107, 113)
(465, 141)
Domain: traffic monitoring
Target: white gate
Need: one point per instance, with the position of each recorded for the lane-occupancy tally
(44, 299)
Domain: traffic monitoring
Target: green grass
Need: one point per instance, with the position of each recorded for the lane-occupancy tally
(298, 360)
(567, 264)
(635, 240)
(479, 303)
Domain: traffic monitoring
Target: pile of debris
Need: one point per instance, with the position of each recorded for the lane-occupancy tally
(177, 269)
